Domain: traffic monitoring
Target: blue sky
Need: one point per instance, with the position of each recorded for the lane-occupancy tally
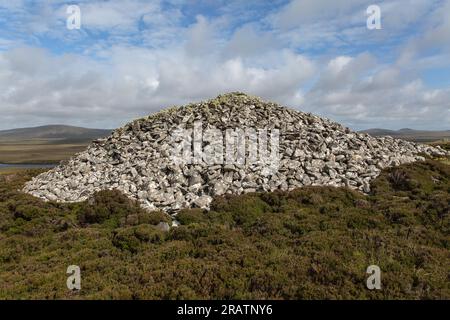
(133, 57)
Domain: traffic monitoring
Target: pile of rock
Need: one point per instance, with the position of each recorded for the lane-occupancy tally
(138, 158)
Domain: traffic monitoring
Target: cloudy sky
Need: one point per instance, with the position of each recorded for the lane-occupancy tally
(132, 57)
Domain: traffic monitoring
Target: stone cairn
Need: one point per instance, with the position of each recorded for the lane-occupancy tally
(140, 159)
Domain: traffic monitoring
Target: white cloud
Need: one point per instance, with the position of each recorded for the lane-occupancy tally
(301, 12)
(200, 37)
(294, 56)
(327, 23)
(249, 42)
(117, 15)
(131, 83)
(363, 93)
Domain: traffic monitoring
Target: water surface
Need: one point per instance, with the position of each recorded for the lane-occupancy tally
(28, 165)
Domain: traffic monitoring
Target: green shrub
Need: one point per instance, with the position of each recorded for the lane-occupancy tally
(399, 179)
(107, 205)
(26, 212)
(309, 243)
(245, 209)
(154, 217)
(188, 216)
(126, 239)
(148, 233)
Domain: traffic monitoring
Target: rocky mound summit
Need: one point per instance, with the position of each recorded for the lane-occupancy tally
(140, 159)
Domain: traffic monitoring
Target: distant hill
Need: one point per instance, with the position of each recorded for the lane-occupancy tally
(410, 134)
(54, 133)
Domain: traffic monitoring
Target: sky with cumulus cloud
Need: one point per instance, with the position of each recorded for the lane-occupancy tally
(133, 57)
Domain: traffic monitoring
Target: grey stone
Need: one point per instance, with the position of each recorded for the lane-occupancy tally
(203, 202)
(163, 226)
(137, 160)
